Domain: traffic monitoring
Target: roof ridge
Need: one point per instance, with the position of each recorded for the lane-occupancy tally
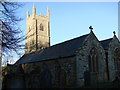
(105, 43)
(106, 39)
(68, 40)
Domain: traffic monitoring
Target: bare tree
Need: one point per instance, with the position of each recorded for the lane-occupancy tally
(10, 32)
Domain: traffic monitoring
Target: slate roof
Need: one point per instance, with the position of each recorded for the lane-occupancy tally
(105, 43)
(63, 49)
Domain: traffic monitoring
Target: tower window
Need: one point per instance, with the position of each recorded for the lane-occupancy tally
(41, 27)
(32, 41)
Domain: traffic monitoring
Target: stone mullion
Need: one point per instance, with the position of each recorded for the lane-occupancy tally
(95, 64)
(92, 63)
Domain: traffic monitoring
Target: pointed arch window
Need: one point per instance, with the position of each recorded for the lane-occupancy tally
(117, 59)
(93, 60)
(41, 27)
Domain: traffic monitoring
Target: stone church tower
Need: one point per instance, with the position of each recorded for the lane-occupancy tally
(37, 31)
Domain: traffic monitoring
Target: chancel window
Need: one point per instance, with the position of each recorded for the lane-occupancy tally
(41, 27)
(93, 60)
(117, 59)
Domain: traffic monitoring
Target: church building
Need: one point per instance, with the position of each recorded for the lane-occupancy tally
(81, 61)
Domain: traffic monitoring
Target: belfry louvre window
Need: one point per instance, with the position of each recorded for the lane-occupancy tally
(41, 27)
(93, 60)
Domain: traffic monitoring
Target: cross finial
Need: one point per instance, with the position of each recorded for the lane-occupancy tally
(91, 28)
(114, 32)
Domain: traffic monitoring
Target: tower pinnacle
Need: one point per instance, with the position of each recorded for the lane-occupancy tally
(27, 14)
(33, 10)
(48, 12)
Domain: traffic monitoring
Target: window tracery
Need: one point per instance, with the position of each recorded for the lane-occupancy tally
(93, 60)
(117, 59)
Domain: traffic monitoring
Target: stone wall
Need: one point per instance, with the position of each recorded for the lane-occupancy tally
(82, 63)
(60, 72)
(111, 52)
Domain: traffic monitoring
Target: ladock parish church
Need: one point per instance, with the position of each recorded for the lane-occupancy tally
(81, 61)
